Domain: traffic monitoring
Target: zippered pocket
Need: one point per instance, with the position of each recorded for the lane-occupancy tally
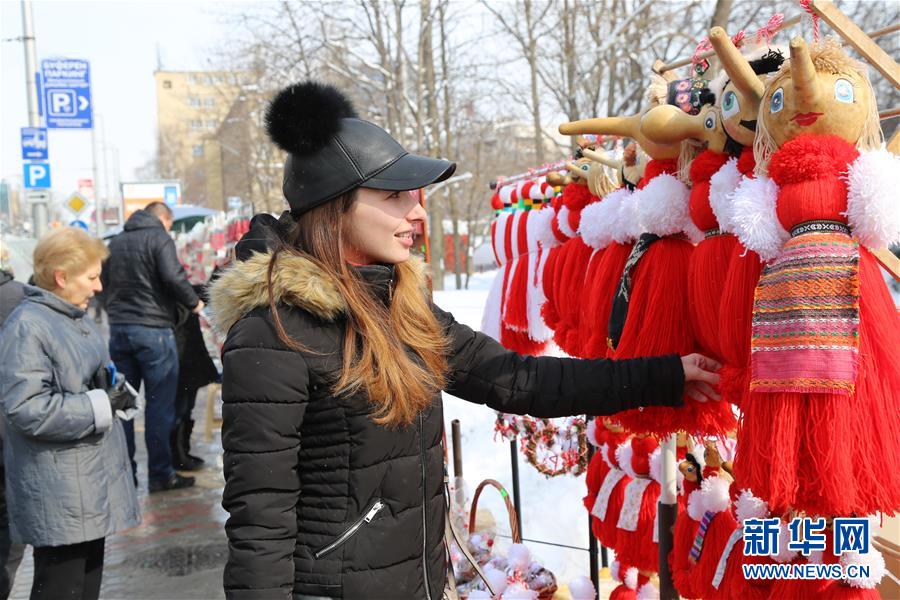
(348, 533)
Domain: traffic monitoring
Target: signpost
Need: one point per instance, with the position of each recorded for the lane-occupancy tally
(67, 93)
(76, 203)
(34, 143)
(37, 175)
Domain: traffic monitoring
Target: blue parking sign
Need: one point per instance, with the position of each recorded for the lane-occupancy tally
(34, 143)
(37, 175)
(66, 86)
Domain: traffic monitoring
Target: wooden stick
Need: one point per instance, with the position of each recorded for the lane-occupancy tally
(889, 113)
(686, 61)
(857, 38)
(890, 262)
(683, 62)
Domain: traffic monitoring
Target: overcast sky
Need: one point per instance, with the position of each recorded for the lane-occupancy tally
(120, 40)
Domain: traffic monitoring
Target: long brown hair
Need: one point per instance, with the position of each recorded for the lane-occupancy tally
(396, 355)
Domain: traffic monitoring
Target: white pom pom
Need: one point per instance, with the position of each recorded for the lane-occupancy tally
(873, 202)
(519, 556)
(721, 185)
(715, 494)
(785, 554)
(538, 228)
(748, 506)
(631, 578)
(581, 588)
(873, 559)
(496, 578)
(624, 454)
(562, 220)
(599, 220)
(628, 222)
(648, 591)
(518, 591)
(695, 508)
(754, 218)
(663, 206)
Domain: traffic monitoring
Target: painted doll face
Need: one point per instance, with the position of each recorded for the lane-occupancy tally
(688, 469)
(829, 103)
(739, 114)
(712, 128)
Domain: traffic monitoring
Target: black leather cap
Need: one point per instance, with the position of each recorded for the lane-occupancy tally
(359, 154)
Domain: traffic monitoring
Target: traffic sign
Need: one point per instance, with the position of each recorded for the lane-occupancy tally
(76, 203)
(34, 143)
(67, 93)
(78, 223)
(37, 175)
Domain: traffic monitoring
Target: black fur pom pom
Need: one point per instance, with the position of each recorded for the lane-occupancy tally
(303, 117)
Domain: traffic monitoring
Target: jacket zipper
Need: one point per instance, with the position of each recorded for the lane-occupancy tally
(351, 531)
(424, 504)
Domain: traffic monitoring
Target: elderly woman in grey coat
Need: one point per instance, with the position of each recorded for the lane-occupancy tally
(69, 482)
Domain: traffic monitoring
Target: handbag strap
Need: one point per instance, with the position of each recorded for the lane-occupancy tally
(452, 535)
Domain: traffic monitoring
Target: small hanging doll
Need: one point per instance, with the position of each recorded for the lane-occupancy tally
(738, 96)
(606, 436)
(637, 539)
(610, 495)
(686, 523)
(825, 371)
(627, 578)
(574, 258)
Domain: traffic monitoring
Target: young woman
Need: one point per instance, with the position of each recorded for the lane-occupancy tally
(68, 480)
(334, 364)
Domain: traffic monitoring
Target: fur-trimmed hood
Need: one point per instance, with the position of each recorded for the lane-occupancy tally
(299, 282)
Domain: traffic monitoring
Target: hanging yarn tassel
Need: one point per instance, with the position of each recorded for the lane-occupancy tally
(608, 515)
(709, 263)
(720, 524)
(515, 316)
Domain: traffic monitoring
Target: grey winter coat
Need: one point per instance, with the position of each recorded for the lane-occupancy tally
(68, 479)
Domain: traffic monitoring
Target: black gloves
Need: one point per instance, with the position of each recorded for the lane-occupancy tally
(120, 393)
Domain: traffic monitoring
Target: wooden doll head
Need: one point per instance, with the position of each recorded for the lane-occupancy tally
(691, 469)
(578, 171)
(821, 90)
(667, 124)
(711, 455)
(744, 84)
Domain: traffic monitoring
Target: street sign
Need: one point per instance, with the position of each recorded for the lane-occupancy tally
(37, 175)
(37, 196)
(34, 143)
(76, 203)
(67, 93)
(171, 194)
(234, 202)
(77, 223)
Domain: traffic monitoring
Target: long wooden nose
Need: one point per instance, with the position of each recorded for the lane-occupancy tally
(601, 158)
(623, 126)
(803, 75)
(739, 70)
(667, 124)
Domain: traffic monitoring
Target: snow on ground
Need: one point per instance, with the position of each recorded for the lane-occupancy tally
(551, 508)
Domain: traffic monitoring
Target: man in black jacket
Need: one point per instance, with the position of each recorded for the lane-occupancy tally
(144, 281)
(11, 293)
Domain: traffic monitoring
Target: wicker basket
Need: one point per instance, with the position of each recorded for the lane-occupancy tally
(545, 594)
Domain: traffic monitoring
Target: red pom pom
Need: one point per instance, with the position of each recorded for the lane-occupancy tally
(496, 202)
(576, 197)
(810, 157)
(705, 165)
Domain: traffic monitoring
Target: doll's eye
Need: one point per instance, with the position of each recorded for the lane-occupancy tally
(730, 105)
(843, 91)
(710, 121)
(585, 168)
(777, 101)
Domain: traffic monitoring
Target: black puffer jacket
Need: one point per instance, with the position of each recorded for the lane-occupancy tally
(142, 278)
(322, 501)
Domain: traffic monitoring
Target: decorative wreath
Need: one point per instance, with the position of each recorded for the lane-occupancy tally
(552, 446)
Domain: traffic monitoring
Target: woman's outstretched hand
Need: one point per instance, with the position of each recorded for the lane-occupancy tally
(700, 376)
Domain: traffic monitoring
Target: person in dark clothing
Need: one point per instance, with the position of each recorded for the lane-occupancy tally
(195, 370)
(333, 367)
(12, 292)
(144, 283)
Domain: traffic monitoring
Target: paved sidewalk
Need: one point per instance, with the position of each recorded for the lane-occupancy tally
(179, 549)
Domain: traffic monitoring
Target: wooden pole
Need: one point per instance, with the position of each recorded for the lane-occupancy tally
(457, 448)
(857, 38)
